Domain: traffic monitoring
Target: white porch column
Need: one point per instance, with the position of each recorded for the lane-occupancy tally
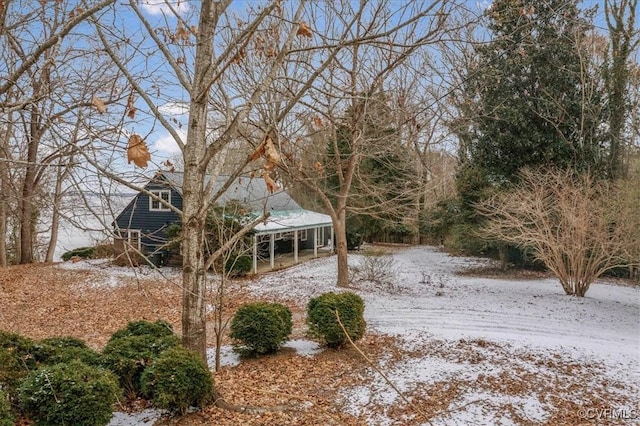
(315, 242)
(272, 245)
(255, 254)
(295, 246)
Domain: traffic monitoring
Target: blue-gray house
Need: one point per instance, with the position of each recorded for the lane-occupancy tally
(289, 229)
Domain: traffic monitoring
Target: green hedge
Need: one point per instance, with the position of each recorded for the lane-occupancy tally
(82, 252)
(55, 350)
(261, 327)
(322, 321)
(133, 348)
(17, 359)
(7, 416)
(69, 394)
(178, 379)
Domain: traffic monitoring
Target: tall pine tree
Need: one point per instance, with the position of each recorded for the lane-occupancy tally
(536, 100)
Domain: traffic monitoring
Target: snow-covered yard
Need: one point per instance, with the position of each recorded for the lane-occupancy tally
(464, 350)
(478, 331)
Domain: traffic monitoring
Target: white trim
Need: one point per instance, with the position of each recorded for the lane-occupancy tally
(127, 236)
(255, 254)
(157, 206)
(303, 234)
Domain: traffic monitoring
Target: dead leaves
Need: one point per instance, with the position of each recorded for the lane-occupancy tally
(182, 33)
(131, 110)
(99, 104)
(528, 12)
(76, 12)
(170, 166)
(304, 30)
(137, 151)
(272, 186)
(239, 57)
(268, 151)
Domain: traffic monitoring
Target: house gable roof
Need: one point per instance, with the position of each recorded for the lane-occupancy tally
(285, 213)
(252, 193)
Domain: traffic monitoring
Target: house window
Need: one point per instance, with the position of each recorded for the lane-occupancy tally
(155, 205)
(303, 235)
(131, 236)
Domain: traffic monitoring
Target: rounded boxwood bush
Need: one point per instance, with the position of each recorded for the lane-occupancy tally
(135, 347)
(322, 321)
(69, 394)
(239, 266)
(55, 350)
(16, 360)
(82, 252)
(261, 327)
(177, 380)
(159, 328)
(7, 417)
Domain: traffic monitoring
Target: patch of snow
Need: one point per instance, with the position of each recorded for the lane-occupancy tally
(145, 417)
(485, 409)
(228, 358)
(111, 276)
(306, 348)
(432, 302)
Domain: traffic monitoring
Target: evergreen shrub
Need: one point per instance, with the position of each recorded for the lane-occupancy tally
(55, 350)
(322, 321)
(69, 394)
(82, 252)
(16, 360)
(133, 348)
(261, 327)
(7, 416)
(178, 379)
(239, 266)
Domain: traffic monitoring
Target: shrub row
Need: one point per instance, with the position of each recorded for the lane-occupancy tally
(62, 381)
(261, 328)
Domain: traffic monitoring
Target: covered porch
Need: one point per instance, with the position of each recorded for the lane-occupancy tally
(288, 237)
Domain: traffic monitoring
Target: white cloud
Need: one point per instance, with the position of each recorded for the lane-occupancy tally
(484, 4)
(159, 7)
(167, 145)
(174, 108)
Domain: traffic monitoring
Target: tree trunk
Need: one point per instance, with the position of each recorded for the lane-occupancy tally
(26, 210)
(194, 330)
(55, 218)
(502, 254)
(3, 224)
(4, 197)
(29, 184)
(340, 230)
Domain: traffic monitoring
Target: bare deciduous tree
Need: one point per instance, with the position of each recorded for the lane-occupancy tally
(206, 51)
(46, 79)
(344, 107)
(572, 223)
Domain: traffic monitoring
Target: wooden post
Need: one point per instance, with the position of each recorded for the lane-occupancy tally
(255, 254)
(272, 245)
(295, 246)
(315, 241)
